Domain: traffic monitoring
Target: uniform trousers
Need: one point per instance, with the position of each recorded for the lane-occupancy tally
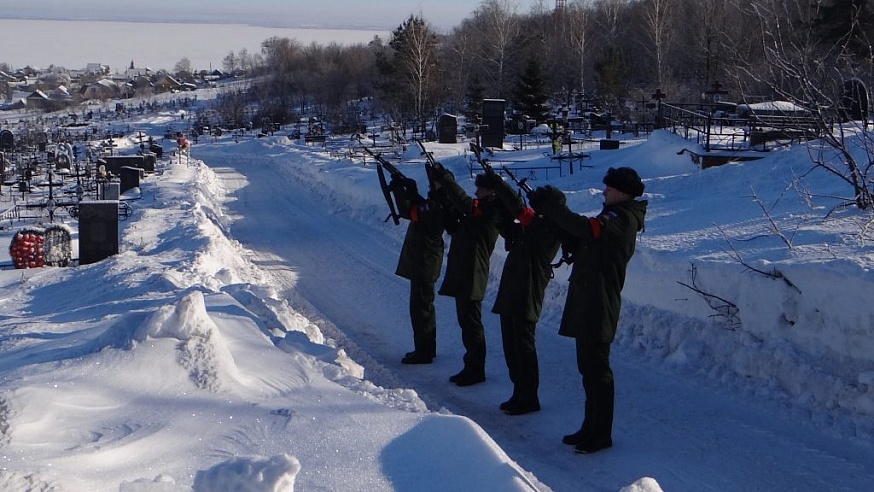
(593, 362)
(520, 354)
(423, 316)
(469, 314)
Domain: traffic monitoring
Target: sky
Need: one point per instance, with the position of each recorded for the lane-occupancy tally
(443, 14)
(248, 334)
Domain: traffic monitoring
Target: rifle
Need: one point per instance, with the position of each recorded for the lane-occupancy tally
(521, 183)
(429, 166)
(452, 217)
(390, 190)
(567, 256)
(478, 152)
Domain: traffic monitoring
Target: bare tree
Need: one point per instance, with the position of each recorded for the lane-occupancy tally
(500, 27)
(249, 62)
(458, 63)
(801, 68)
(182, 67)
(230, 62)
(579, 14)
(657, 19)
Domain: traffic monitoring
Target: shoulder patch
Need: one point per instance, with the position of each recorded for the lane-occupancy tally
(605, 217)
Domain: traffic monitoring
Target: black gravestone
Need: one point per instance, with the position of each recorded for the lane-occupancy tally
(447, 128)
(157, 150)
(129, 178)
(149, 161)
(492, 131)
(114, 163)
(98, 230)
(7, 141)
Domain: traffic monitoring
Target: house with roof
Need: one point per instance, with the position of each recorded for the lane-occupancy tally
(37, 100)
(97, 68)
(103, 89)
(166, 83)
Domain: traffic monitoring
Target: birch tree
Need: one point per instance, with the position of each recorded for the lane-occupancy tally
(500, 27)
(579, 13)
(415, 64)
(657, 18)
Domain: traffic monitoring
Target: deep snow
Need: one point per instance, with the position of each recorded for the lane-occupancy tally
(249, 334)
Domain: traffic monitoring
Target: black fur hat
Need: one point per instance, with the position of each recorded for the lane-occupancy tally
(488, 180)
(625, 180)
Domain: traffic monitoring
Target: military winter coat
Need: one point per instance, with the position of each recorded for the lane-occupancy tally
(602, 247)
(472, 243)
(422, 252)
(527, 269)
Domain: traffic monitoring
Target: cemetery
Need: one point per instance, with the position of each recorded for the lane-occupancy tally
(68, 179)
(79, 170)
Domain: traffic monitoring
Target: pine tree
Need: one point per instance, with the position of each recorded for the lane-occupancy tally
(529, 96)
(473, 98)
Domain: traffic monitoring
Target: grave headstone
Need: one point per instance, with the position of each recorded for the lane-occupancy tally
(492, 130)
(447, 128)
(7, 141)
(157, 150)
(149, 161)
(98, 230)
(130, 178)
(109, 190)
(114, 163)
(609, 144)
(58, 250)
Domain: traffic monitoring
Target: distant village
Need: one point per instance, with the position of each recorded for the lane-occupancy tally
(57, 88)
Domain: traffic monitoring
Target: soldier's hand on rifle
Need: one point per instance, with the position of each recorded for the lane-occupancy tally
(411, 189)
(545, 199)
(438, 172)
(535, 198)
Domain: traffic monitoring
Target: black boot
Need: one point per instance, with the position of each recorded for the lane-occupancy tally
(417, 358)
(575, 438)
(508, 403)
(520, 407)
(468, 378)
(593, 445)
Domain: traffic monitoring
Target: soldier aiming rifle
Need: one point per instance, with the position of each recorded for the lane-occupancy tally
(399, 193)
(421, 255)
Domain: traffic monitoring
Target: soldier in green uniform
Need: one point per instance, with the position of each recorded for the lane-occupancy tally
(420, 261)
(467, 267)
(532, 243)
(602, 247)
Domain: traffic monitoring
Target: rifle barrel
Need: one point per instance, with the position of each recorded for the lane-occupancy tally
(522, 184)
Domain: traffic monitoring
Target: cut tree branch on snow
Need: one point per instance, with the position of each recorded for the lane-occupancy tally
(774, 227)
(774, 274)
(723, 307)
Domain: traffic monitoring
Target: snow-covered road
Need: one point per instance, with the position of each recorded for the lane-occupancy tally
(684, 431)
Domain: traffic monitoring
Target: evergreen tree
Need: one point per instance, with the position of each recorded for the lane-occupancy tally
(611, 75)
(473, 99)
(529, 95)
